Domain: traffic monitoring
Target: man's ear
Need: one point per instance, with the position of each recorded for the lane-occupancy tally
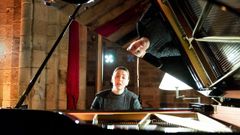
(112, 80)
(127, 82)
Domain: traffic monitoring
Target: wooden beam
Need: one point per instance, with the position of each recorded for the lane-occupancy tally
(97, 11)
(111, 14)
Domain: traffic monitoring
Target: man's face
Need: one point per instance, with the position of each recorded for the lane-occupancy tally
(139, 47)
(120, 79)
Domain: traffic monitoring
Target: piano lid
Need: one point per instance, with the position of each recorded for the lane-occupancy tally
(194, 40)
(198, 43)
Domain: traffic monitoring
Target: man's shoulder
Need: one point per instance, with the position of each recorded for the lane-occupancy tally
(130, 93)
(104, 92)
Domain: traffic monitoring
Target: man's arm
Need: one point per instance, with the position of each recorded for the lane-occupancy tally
(153, 60)
(137, 105)
(96, 104)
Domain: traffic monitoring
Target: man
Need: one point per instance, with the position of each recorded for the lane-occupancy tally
(118, 97)
(157, 44)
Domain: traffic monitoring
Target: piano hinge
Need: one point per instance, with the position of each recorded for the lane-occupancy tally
(189, 40)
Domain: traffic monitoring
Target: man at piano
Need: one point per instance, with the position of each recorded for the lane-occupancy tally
(118, 97)
(157, 44)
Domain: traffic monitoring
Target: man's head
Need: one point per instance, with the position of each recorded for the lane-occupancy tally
(139, 47)
(120, 77)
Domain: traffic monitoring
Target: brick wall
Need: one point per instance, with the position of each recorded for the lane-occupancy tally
(27, 33)
(9, 51)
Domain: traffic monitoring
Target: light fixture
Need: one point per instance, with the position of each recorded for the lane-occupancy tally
(173, 84)
(109, 58)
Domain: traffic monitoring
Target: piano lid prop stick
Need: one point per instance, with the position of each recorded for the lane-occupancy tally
(32, 82)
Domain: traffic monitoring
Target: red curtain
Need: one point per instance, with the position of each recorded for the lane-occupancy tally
(73, 67)
(112, 26)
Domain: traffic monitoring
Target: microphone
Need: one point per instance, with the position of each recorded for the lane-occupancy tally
(54, 2)
(77, 1)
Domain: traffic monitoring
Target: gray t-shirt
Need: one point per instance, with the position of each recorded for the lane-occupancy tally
(108, 101)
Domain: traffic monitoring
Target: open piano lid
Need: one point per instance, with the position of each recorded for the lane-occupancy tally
(204, 50)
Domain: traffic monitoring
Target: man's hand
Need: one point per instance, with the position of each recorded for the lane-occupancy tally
(139, 47)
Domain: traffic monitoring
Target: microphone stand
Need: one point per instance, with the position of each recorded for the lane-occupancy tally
(33, 81)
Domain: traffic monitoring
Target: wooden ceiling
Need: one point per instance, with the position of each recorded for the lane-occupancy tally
(113, 19)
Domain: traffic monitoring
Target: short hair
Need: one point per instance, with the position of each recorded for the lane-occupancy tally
(122, 68)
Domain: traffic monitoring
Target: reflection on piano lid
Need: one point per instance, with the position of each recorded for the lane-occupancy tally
(206, 33)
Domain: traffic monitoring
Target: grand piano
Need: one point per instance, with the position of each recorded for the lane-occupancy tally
(208, 37)
(207, 33)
